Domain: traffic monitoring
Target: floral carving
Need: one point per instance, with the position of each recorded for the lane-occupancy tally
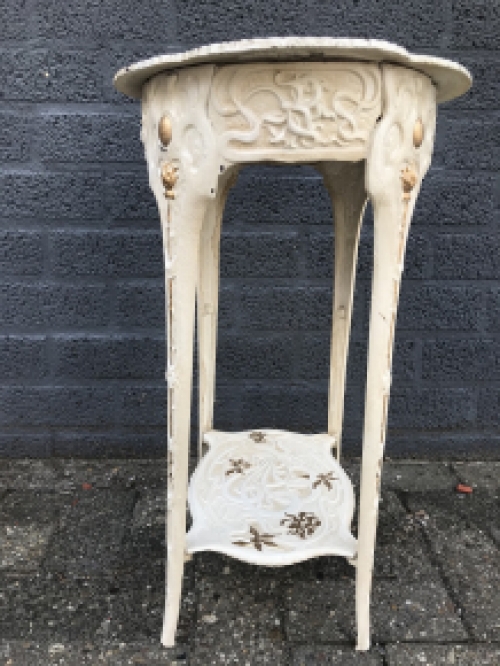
(302, 524)
(257, 540)
(325, 479)
(294, 106)
(237, 466)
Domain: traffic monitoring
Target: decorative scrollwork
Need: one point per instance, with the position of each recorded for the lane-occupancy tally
(267, 109)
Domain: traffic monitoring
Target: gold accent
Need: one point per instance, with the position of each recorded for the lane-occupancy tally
(169, 177)
(165, 130)
(409, 179)
(418, 133)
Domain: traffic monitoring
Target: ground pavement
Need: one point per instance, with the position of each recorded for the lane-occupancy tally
(82, 577)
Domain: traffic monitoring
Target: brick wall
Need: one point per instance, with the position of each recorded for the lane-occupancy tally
(81, 287)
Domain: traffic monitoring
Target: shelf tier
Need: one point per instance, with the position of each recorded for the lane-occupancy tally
(271, 497)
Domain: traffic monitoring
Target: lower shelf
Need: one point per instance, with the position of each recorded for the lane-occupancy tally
(270, 497)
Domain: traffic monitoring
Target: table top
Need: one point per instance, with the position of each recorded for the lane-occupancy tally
(450, 78)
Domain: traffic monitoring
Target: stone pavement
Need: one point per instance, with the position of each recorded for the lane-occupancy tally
(82, 577)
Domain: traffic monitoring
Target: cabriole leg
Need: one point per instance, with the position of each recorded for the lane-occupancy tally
(398, 159)
(184, 169)
(345, 183)
(180, 289)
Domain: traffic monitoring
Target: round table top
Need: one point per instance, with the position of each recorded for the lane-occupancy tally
(450, 78)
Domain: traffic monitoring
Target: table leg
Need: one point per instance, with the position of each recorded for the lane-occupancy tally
(207, 302)
(345, 183)
(398, 159)
(181, 280)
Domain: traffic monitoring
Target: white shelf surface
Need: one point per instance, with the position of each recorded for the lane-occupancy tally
(271, 497)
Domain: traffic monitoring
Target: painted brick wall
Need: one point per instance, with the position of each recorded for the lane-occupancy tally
(81, 287)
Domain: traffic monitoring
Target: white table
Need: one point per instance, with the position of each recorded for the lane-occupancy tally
(363, 113)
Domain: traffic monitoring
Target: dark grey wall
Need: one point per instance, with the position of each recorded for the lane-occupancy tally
(81, 291)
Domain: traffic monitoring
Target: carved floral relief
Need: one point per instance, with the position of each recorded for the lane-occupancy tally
(264, 110)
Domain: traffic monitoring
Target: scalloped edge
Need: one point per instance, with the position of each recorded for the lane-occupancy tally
(450, 78)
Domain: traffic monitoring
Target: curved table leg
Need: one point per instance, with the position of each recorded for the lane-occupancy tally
(397, 162)
(345, 183)
(207, 302)
(180, 289)
(184, 173)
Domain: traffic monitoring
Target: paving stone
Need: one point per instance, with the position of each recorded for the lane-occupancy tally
(414, 476)
(479, 474)
(30, 506)
(150, 508)
(93, 529)
(404, 611)
(23, 547)
(71, 473)
(314, 655)
(415, 611)
(401, 552)
(27, 521)
(24, 653)
(443, 655)
(147, 655)
(468, 556)
(137, 603)
(50, 609)
(238, 625)
(27, 474)
(143, 547)
(322, 612)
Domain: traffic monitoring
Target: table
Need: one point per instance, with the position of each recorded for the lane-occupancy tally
(363, 113)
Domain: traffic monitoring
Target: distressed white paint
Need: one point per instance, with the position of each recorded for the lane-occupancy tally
(225, 115)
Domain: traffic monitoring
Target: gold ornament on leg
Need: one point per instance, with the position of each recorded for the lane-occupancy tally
(165, 130)
(169, 177)
(409, 179)
(418, 133)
